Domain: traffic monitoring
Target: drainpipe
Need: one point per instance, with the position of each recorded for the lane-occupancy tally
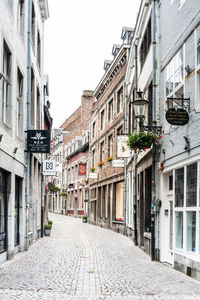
(27, 191)
(135, 161)
(89, 189)
(153, 199)
(125, 159)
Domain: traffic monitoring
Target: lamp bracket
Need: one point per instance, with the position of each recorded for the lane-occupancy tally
(184, 103)
(155, 129)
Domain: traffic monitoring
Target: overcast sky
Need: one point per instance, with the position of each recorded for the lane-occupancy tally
(79, 36)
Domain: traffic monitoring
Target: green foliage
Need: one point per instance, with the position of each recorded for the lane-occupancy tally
(84, 217)
(47, 227)
(50, 222)
(54, 189)
(62, 194)
(142, 140)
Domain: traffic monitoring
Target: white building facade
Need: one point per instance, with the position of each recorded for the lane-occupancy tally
(15, 233)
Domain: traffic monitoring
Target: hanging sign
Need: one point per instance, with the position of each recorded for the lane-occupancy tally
(49, 167)
(38, 141)
(123, 150)
(93, 175)
(118, 163)
(2, 236)
(82, 169)
(178, 117)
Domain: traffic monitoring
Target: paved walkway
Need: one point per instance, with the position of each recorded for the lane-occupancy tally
(82, 261)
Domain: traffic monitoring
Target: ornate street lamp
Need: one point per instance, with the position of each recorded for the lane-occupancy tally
(140, 105)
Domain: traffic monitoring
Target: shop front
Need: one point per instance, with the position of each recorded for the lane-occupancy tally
(3, 215)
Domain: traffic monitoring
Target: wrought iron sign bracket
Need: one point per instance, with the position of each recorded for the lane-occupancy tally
(184, 103)
(155, 129)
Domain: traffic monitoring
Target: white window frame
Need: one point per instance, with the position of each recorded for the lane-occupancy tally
(186, 209)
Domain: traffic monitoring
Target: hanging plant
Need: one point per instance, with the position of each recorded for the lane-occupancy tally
(109, 158)
(142, 141)
(54, 189)
(100, 164)
(62, 194)
(92, 169)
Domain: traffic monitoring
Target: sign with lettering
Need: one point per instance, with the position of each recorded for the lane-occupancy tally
(38, 141)
(49, 167)
(178, 117)
(82, 169)
(2, 236)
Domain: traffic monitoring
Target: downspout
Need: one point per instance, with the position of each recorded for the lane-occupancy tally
(125, 159)
(27, 191)
(135, 161)
(89, 159)
(153, 193)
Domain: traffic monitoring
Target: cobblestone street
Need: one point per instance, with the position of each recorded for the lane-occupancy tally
(82, 261)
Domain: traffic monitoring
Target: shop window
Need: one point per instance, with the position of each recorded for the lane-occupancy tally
(179, 229)
(191, 188)
(191, 231)
(17, 209)
(179, 187)
(3, 211)
(170, 182)
(119, 201)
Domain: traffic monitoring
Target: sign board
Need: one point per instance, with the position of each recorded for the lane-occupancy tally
(123, 150)
(38, 141)
(118, 163)
(177, 117)
(82, 169)
(2, 236)
(49, 167)
(93, 175)
(71, 185)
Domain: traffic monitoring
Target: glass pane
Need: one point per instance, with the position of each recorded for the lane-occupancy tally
(191, 189)
(198, 55)
(191, 231)
(179, 230)
(179, 187)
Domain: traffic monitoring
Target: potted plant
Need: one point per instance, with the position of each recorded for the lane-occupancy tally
(109, 159)
(50, 222)
(84, 219)
(142, 140)
(54, 189)
(100, 164)
(47, 229)
(92, 169)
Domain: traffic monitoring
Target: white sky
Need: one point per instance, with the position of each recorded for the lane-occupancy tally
(79, 36)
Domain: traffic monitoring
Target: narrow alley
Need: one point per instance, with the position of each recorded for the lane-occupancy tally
(82, 261)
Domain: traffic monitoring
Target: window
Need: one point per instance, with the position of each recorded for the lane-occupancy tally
(33, 25)
(179, 187)
(145, 45)
(170, 182)
(110, 110)
(20, 21)
(191, 187)
(6, 88)
(102, 151)
(32, 99)
(110, 145)
(119, 201)
(120, 130)
(102, 119)
(93, 129)
(174, 73)
(179, 229)
(38, 50)
(120, 100)
(38, 109)
(93, 158)
(187, 208)
(198, 44)
(19, 106)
